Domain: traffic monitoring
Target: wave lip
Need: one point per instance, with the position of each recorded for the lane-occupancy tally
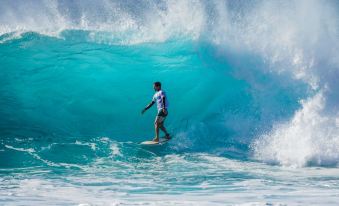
(130, 22)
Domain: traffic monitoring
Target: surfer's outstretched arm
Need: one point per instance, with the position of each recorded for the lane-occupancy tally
(147, 107)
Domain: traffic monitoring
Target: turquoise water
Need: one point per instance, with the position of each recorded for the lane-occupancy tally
(253, 122)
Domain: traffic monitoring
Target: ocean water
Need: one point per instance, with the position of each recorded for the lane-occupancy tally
(253, 91)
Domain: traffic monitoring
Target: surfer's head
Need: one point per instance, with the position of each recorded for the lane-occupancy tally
(157, 86)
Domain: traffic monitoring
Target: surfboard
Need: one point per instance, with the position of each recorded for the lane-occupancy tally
(150, 143)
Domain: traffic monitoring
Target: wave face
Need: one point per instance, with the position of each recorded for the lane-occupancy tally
(249, 82)
(71, 88)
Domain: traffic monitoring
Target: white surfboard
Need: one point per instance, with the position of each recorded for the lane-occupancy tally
(150, 143)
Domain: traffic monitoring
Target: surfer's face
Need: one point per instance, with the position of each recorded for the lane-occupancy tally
(156, 88)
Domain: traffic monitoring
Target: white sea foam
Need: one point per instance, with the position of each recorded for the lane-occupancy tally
(108, 20)
(91, 145)
(29, 150)
(168, 181)
(115, 149)
(309, 138)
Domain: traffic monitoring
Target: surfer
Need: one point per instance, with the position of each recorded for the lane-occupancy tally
(162, 104)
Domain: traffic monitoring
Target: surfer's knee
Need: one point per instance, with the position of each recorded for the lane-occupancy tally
(156, 124)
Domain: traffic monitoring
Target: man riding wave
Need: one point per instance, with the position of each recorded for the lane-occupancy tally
(162, 104)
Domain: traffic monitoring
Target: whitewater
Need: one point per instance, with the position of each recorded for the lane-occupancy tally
(253, 87)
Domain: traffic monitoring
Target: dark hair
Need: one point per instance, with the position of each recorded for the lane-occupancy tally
(157, 84)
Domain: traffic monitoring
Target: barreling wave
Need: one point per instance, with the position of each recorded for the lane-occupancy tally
(256, 78)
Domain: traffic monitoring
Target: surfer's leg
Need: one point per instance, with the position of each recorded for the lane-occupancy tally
(162, 127)
(156, 129)
(156, 139)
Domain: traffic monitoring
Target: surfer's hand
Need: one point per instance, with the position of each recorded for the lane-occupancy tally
(143, 111)
(164, 111)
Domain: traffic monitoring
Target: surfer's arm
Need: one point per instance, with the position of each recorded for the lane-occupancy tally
(164, 104)
(147, 107)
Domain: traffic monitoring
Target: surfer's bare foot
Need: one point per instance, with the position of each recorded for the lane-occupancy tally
(156, 139)
(168, 136)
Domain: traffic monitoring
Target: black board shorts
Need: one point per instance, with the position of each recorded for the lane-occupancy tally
(161, 116)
